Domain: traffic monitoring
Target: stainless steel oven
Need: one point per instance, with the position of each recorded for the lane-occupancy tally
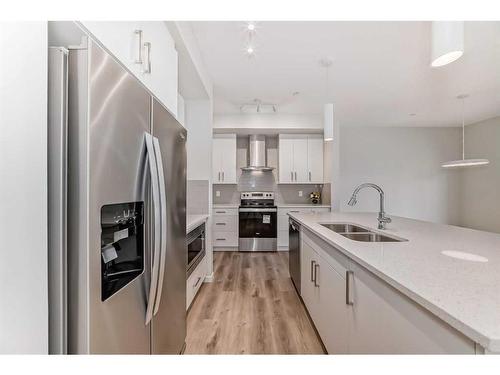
(258, 222)
(196, 248)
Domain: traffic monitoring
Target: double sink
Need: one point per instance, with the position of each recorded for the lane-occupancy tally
(358, 233)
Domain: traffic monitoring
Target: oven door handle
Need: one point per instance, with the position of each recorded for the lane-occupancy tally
(258, 210)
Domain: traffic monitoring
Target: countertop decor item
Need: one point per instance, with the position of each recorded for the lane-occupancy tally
(315, 197)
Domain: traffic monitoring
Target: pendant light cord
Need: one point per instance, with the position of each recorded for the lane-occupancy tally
(463, 128)
(326, 88)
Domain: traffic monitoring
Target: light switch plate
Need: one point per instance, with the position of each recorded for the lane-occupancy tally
(300, 193)
(217, 193)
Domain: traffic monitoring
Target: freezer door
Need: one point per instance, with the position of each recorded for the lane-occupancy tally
(119, 116)
(169, 323)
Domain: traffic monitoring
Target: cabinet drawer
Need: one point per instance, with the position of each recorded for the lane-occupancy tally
(225, 211)
(225, 239)
(225, 223)
(195, 281)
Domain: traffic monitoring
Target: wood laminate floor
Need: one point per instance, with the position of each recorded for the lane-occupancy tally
(251, 307)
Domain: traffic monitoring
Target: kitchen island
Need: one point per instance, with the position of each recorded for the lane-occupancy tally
(434, 292)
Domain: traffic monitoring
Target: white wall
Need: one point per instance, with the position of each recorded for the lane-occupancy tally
(481, 185)
(198, 117)
(23, 186)
(405, 162)
(199, 120)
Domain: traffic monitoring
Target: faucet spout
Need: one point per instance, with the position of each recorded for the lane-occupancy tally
(382, 219)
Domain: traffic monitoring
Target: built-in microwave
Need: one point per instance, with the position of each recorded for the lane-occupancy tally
(195, 247)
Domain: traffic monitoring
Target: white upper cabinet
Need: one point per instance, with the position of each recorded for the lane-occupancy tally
(147, 49)
(315, 159)
(300, 159)
(224, 159)
(286, 159)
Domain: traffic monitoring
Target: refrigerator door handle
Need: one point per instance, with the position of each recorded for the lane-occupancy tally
(163, 232)
(157, 225)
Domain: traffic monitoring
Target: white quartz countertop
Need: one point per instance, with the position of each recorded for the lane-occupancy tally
(463, 293)
(302, 205)
(193, 221)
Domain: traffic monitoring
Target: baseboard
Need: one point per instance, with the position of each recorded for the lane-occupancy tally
(209, 278)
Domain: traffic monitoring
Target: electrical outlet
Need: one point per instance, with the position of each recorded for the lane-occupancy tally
(300, 193)
(217, 193)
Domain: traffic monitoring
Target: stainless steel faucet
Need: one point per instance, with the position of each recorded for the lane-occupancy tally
(382, 219)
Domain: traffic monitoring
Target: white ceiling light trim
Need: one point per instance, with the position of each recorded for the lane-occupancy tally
(250, 28)
(464, 162)
(447, 42)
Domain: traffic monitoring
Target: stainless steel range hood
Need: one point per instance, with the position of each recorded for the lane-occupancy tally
(257, 151)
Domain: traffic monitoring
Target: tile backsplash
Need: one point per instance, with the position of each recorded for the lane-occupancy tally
(284, 194)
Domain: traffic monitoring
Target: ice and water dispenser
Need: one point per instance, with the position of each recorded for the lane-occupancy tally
(122, 245)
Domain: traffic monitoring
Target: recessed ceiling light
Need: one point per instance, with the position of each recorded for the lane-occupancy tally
(250, 50)
(251, 26)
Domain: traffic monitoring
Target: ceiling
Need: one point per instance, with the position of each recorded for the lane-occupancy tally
(380, 74)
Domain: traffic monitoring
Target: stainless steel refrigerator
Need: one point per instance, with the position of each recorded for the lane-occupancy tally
(118, 215)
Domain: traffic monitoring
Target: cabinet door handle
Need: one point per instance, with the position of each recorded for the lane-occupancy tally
(313, 263)
(348, 277)
(222, 176)
(220, 223)
(147, 62)
(291, 176)
(295, 176)
(220, 212)
(138, 36)
(219, 177)
(221, 239)
(309, 176)
(197, 282)
(316, 268)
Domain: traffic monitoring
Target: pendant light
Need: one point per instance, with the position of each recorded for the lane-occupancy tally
(328, 107)
(447, 42)
(464, 162)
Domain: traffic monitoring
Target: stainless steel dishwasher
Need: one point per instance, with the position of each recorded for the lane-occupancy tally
(294, 252)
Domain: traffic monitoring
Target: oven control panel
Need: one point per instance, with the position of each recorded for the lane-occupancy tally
(257, 195)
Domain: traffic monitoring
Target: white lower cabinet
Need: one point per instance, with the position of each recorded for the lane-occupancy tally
(384, 321)
(225, 227)
(283, 221)
(323, 291)
(378, 319)
(195, 280)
